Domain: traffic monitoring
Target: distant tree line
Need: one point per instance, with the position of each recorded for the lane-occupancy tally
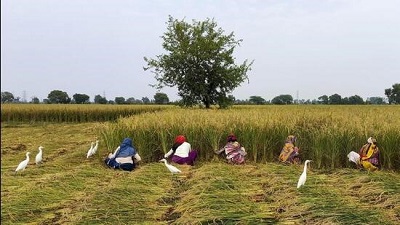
(61, 97)
(334, 99)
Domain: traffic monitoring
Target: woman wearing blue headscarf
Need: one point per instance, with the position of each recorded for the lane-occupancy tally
(125, 157)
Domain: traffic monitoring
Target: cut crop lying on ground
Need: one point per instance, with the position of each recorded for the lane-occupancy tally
(71, 189)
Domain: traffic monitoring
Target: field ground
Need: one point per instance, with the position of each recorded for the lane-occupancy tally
(70, 189)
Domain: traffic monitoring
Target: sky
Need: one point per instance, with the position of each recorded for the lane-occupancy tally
(305, 48)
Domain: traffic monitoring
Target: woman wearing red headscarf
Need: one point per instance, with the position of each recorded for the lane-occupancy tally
(233, 150)
(181, 152)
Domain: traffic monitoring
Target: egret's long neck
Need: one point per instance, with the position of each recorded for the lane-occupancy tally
(305, 167)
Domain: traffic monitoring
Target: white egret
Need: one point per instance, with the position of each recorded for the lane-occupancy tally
(354, 157)
(303, 176)
(171, 168)
(95, 147)
(22, 165)
(39, 156)
(90, 151)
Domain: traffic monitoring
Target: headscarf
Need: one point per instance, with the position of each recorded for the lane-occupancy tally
(180, 139)
(231, 138)
(371, 140)
(126, 148)
(291, 139)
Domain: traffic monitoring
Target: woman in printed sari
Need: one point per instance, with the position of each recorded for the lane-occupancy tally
(181, 152)
(233, 150)
(369, 155)
(290, 152)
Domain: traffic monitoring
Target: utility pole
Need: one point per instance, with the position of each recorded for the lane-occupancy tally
(24, 96)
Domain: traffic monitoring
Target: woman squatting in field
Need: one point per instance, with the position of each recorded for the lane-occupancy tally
(181, 152)
(124, 158)
(233, 150)
(369, 155)
(290, 152)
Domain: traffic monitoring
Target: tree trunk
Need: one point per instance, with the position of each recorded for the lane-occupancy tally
(206, 102)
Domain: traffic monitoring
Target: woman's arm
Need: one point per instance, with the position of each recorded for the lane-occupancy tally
(219, 151)
(168, 153)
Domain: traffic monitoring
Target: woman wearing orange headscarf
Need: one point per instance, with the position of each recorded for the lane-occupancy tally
(290, 152)
(181, 152)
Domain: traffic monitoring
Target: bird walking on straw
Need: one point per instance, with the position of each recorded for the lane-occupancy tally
(39, 156)
(303, 176)
(170, 167)
(22, 165)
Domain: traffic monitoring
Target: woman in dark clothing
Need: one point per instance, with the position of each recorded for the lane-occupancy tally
(125, 157)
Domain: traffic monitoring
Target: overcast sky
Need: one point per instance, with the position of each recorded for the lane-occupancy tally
(304, 47)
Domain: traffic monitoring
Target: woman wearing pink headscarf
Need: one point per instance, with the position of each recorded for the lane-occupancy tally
(181, 152)
(233, 150)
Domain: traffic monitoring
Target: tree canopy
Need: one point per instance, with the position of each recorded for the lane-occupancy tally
(119, 100)
(7, 97)
(98, 99)
(393, 94)
(335, 99)
(258, 100)
(199, 62)
(282, 100)
(59, 97)
(81, 98)
(161, 98)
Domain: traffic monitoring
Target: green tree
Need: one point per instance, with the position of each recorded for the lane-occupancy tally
(145, 100)
(130, 100)
(335, 99)
(356, 100)
(282, 100)
(376, 101)
(393, 94)
(199, 61)
(324, 99)
(58, 97)
(161, 98)
(81, 98)
(98, 99)
(7, 97)
(119, 100)
(35, 100)
(258, 100)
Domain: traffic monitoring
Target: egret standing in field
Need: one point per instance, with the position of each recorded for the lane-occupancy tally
(170, 167)
(90, 151)
(39, 156)
(22, 165)
(303, 176)
(95, 147)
